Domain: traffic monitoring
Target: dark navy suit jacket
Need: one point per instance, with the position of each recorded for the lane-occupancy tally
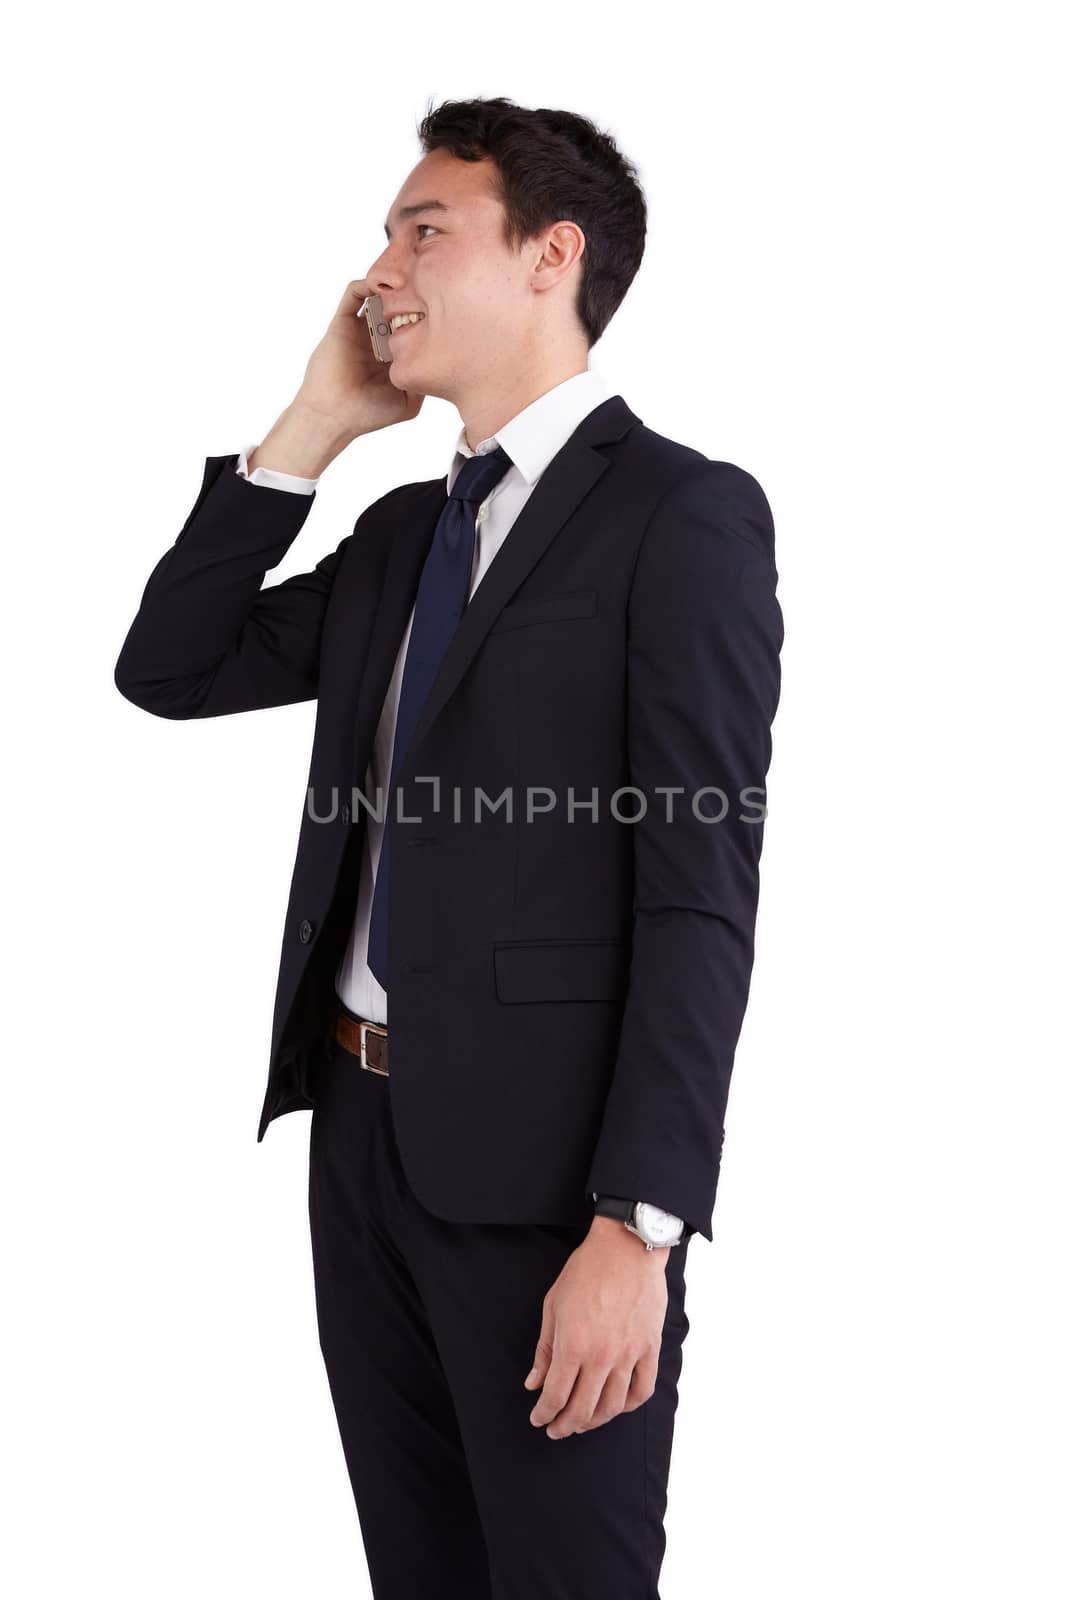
(566, 990)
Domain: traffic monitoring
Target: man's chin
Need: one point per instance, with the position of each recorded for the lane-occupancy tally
(408, 380)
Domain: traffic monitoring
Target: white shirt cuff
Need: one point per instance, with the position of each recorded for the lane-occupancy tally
(267, 478)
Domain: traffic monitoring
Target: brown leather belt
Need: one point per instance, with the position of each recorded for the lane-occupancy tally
(367, 1041)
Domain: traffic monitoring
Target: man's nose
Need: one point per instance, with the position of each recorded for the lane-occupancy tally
(385, 274)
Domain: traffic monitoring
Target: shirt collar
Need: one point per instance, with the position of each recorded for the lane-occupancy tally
(539, 431)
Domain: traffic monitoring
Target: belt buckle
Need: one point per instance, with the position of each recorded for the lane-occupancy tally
(383, 1072)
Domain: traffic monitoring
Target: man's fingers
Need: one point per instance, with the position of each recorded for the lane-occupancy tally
(603, 1393)
(577, 1415)
(613, 1395)
(541, 1363)
(559, 1381)
(355, 294)
(643, 1381)
(543, 1351)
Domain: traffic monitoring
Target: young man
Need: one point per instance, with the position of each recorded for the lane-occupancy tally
(545, 686)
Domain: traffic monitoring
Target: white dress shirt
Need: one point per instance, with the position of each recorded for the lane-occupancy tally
(531, 439)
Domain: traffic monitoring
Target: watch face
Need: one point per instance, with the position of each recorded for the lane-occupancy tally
(657, 1227)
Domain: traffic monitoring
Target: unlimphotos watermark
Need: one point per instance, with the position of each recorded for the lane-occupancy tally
(710, 803)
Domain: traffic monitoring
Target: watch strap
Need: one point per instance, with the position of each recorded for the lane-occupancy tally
(611, 1205)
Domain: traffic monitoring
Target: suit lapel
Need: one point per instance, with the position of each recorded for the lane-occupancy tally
(575, 469)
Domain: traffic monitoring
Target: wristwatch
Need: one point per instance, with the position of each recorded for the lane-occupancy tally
(654, 1227)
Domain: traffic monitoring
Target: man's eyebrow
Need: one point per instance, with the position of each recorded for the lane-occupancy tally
(416, 210)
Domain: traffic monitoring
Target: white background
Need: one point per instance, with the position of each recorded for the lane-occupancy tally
(852, 288)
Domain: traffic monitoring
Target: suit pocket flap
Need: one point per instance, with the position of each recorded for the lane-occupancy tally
(561, 969)
(549, 608)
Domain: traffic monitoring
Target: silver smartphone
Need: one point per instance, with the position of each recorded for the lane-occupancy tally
(377, 326)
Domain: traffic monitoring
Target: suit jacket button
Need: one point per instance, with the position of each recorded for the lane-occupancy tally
(306, 930)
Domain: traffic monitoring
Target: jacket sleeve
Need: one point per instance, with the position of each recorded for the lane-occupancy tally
(208, 639)
(705, 634)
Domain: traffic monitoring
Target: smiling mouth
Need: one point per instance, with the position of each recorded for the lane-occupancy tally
(404, 326)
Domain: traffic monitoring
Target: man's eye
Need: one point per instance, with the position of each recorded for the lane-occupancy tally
(429, 225)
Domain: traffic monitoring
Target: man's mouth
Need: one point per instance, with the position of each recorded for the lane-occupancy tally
(406, 319)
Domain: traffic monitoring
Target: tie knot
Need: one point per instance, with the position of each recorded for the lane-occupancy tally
(479, 474)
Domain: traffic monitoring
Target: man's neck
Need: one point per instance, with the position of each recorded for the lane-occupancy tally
(486, 415)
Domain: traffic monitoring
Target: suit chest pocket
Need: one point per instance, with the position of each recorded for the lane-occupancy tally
(565, 605)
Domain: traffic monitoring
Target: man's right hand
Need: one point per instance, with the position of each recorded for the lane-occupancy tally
(346, 392)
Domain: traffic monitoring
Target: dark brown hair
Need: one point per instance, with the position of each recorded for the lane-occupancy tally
(554, 166)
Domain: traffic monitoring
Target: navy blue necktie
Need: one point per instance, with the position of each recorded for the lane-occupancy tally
(442, 595)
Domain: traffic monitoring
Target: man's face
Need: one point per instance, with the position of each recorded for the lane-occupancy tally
(450, 262)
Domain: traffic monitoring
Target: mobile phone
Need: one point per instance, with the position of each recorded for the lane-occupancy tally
(377, 326)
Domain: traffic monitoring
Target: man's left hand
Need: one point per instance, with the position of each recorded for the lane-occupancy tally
(601, 1329)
